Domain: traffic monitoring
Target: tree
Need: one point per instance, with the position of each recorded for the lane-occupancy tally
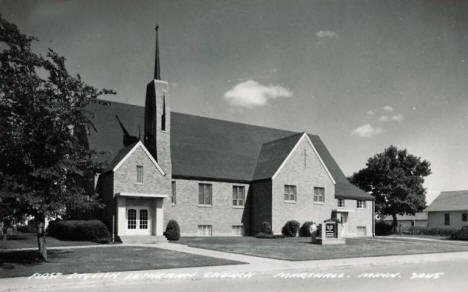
(45, 164)
(395, 178)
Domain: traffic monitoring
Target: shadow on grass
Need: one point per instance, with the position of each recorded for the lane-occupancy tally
(28, 257)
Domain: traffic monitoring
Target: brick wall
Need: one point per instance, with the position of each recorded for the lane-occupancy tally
(222, 215)
(260, 205)
(358, 217)
(305, 172)
(125, 177)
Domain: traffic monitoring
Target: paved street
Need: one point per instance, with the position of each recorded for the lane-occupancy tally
(430, 272)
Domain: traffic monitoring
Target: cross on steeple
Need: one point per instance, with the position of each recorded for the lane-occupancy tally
(157, 71)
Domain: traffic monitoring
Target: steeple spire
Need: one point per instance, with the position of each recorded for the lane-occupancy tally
(157, 72)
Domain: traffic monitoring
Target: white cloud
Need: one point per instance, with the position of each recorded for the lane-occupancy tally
(383, 118)
(388, 108)
(327, 34)
(398, 117)
(250, 93)
(370, 113)
(367, 130)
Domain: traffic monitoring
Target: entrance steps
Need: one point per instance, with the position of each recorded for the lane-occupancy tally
(146, 239)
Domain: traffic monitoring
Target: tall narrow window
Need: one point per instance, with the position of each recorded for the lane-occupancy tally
(238, 196)
(447, 219)
(163, 116)
(319, 195)
(290, 194)
(464, 217)
(131, 218)
(139, 174)
(204, 194)
(174, 192)
(143, 219)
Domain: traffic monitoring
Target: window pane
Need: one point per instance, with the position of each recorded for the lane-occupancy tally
(143, 219)
(139, 174)
(131, 219)
(200, 194)
(174, 191)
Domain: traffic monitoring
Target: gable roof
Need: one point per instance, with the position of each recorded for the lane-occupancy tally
(126, 152)
(272, 155)
(450, 201)
(212, 149)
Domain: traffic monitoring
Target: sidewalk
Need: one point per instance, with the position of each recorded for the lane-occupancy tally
(423, 239)
(258, 267)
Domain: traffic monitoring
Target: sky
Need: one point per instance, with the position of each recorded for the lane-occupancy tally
(363, 75)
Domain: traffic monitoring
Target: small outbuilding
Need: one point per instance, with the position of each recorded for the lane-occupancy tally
(449, 210)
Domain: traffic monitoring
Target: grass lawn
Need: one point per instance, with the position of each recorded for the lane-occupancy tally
(100, 259)
(423, 236)
(300, 248)
(28, 240)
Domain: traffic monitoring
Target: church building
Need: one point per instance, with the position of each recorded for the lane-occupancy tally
(214, 177)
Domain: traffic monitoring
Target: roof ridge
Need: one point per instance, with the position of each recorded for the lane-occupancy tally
(234, 122)
(284, 138)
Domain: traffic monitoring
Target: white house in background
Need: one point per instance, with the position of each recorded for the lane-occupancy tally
(449, 210)
(405, 221)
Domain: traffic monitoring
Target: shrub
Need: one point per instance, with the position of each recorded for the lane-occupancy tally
(172, 232)
(27, 228)
(291, 228)
(266, 228)
(417, 230)
(382, 228)
(305, 229)
(268, 235)
(92, 230)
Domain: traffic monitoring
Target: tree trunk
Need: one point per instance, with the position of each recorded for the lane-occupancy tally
(4, 231)
(41, 240)
(394, 223)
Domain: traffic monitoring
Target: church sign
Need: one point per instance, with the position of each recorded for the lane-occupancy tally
(330, 230)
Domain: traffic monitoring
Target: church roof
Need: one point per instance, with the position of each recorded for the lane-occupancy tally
(272, 155)
(212, 149)
(450, 201)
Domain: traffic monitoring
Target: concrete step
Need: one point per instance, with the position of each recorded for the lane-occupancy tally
(146, 239)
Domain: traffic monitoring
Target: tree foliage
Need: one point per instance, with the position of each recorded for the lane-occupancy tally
(44, 159)
(395, 178)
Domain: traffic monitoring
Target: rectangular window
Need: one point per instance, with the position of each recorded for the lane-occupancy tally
(319, 194)
(143, 219)
(205, 194)
(464, 217)
(290, 193)
(173, 197)
(131, 219)
(139, 169)
(360, 204)
(238, 196)
(205, 230)
(341, 203)
(361, 231)
(447, 219)
(237, 230)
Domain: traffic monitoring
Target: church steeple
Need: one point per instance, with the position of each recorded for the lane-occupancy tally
(158, 117)
(157, 70)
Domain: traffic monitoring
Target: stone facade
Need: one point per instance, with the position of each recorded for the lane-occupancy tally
(304, 170)
(437, 219)
(221, 214)
(125, 177)
(121, 191)
(358, 217)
